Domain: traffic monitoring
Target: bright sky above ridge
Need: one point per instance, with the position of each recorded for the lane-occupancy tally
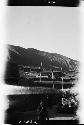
(51, 29)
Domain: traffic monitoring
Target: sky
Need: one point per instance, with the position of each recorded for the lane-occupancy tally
(51, 29)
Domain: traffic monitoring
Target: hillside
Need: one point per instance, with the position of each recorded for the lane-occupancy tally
(34, 57)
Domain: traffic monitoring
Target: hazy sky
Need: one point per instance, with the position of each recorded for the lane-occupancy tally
(51, 29)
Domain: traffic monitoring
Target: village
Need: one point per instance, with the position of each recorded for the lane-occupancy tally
(42, 76)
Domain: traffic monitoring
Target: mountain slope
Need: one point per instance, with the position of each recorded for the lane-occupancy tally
(34, 57)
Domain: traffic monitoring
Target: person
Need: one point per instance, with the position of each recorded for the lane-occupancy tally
(43, 113)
